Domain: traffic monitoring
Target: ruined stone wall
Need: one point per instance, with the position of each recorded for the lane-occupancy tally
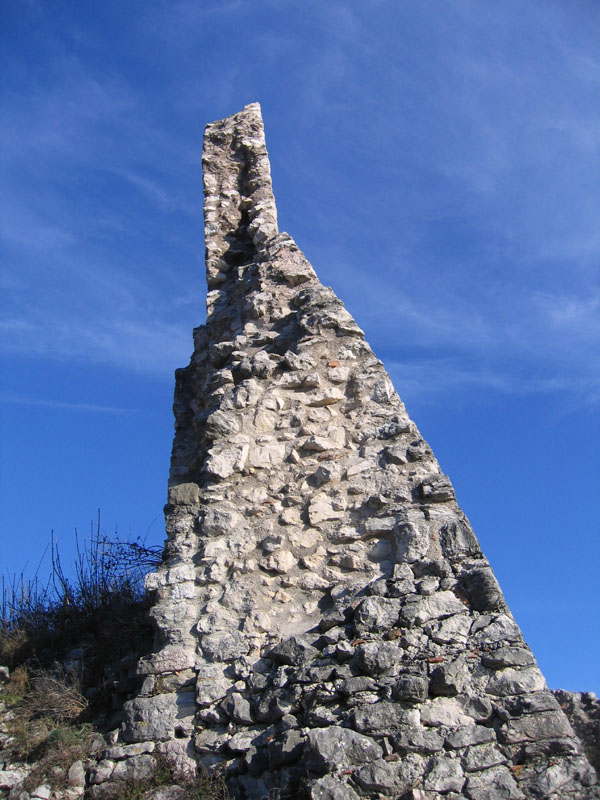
(325, 617)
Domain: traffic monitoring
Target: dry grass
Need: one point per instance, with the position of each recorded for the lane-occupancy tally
(55, 696)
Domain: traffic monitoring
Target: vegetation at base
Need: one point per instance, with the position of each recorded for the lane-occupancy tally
(60, 639)
(101, 600)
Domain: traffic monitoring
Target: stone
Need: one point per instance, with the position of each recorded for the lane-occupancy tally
(444, 775)
(516, 681)
(76, 774)
(43, 792)
(383, 717)
(102, 772)
(238, 709)
(508, 657)
(390, 778)
(444, 711)
(321, 509)
(536, 727)
(449, 678)
(135, 769)
(376, 614)
(172, 792)
(157, 717)
(224, 646)
(286, 749)
(336, 748)
(117, 752)
(438, 606)
(293, 651)
(470, 734)
(328, 788)
(376, 657)
(481, 757)
(414, 738)
(11, 777)
(211, 684)
(493, 784)
(410, 689)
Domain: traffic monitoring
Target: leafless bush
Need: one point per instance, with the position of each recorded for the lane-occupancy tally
(56, 696)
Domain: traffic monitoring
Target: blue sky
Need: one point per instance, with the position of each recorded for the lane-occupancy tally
(437, 162)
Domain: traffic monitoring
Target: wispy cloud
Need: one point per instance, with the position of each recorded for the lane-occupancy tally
(154, 348)
(11, 399)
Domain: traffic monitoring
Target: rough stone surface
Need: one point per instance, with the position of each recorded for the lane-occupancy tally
(321, 585)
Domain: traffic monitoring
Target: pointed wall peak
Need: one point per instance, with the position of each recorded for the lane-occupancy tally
(239, 207)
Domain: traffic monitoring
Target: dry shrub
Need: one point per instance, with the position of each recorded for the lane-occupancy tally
(55, 696)
(41, 706)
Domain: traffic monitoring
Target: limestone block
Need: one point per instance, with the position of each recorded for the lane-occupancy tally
(449, 678)
(238, 709)
(536, 727)
(280, 562)
(358, 467)
(444, 775)
(221, 423)
(444, 711)
(222, 519)
(338, 374)
(223, 462)
(508, 657)
(482, 756)
(117, 752)
(376, 525)
(293, 651)
(338, 748)
(383, 717)
(377, 657)
(43, 792)
(415, 738)
(184, 494)
(157, 717)
(135, 769)
(452, 630)
(102, 771)
(516, 681)
(330, 788)
(438, 606)
(493, 784)
(211, 684)
(470, 735)
(410, 689)
(322, 508)
(499, 628)
(412, 542)
(286, 749)
(266, 456)
(76, 775)
(327, 398)
(376, 614)
(391, 778)
(224, 646)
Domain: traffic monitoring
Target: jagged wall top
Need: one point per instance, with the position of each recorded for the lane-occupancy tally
(239, 207)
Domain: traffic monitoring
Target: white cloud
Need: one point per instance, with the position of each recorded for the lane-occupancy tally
(11, 399)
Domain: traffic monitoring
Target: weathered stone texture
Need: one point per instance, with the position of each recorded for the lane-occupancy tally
(321, 584)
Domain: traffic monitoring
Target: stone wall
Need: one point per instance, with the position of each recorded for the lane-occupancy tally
(325, 617)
